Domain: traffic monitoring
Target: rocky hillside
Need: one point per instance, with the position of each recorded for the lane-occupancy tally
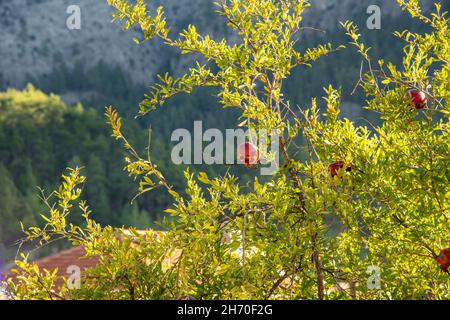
(35, 40)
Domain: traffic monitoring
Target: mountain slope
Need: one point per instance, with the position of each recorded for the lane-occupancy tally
(35, 40)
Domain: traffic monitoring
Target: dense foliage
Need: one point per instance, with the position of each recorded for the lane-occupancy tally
(389, 195)
(104, 83)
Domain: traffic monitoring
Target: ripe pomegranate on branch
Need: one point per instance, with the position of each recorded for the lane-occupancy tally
(334, 168)
(417, 99)
(443, 260)
(248, 154)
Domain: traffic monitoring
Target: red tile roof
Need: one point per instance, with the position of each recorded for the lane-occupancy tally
(63, 260)
(66, 258)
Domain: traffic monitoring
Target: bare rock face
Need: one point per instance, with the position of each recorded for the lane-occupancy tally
(35, 38)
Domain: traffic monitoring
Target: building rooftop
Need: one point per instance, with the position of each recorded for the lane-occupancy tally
(62, 261)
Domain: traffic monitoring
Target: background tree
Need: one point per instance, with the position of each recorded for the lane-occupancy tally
(39, 137)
